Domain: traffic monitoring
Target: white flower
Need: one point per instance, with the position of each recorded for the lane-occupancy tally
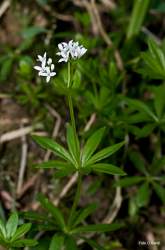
(70, 50)
(46, 68)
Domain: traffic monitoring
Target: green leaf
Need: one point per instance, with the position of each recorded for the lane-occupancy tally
(73, 143)
(76, 79)
(159, 100)
(57, 242)
(137, 18)
(129, 181)
(138, 161)
(55, 212)
(146, 130)
(31, 32)
(140, 106)
(11, 225)
(59, 165)
(6, 67)
(93, 244)
(160, 8)
(154, 60)
(104, 153)
(70, 243)
(160, 191)
(64, 172)
(42, 2)
(63, 168)
(84, 213)
(107, 169)
(157, 165)
(143, 195)
(133, 208)
(50, 144)
(25, 242)
(157, 53)
(22, 230)
(2, 229)
(101, 228)
(32, 215)
(91, 145)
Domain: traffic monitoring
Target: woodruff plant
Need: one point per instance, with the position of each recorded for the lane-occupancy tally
(12, 236)
(82, 160)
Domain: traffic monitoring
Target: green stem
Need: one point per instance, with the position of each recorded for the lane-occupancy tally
(72, 113)
(69, 75)
(78, 191)
(70, 102)
(76, 200)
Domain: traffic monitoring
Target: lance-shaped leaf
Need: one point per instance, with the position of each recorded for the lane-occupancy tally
(59, 165)
(24, 242)
(107, 169)
(140, 106)
(50, 144)
(143, 195)
(55, 212)
(73, 143)
(104, 153)
(57, 242)
(2, 229)
(160, 191)
(93, 244)
(91, 145)
(12, 224)
(84, 213)
(129, 181)
(21, 231)
(157, 53)
(70, 243)
(139, 12)
(100, 228)
(159, 100)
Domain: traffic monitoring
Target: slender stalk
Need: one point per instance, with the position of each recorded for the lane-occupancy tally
(70, 102)
(76, 199)
(78, 191)
(69, 75)
(72, 113)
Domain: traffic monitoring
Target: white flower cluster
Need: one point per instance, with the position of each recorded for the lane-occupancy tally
(47, 67)
(70, 50)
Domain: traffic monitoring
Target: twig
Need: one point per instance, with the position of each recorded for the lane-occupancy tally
(60, 16)
(16, 134)
(90, 122)
(22, 164)
(66, 188)
(4, 96)
(7, 198)
(4, 6)
(92, 16)
(150, 238)
(35, 177)
(113, 211)
(106, 37)
(8, 121)
(109, 3)
(29, 183)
